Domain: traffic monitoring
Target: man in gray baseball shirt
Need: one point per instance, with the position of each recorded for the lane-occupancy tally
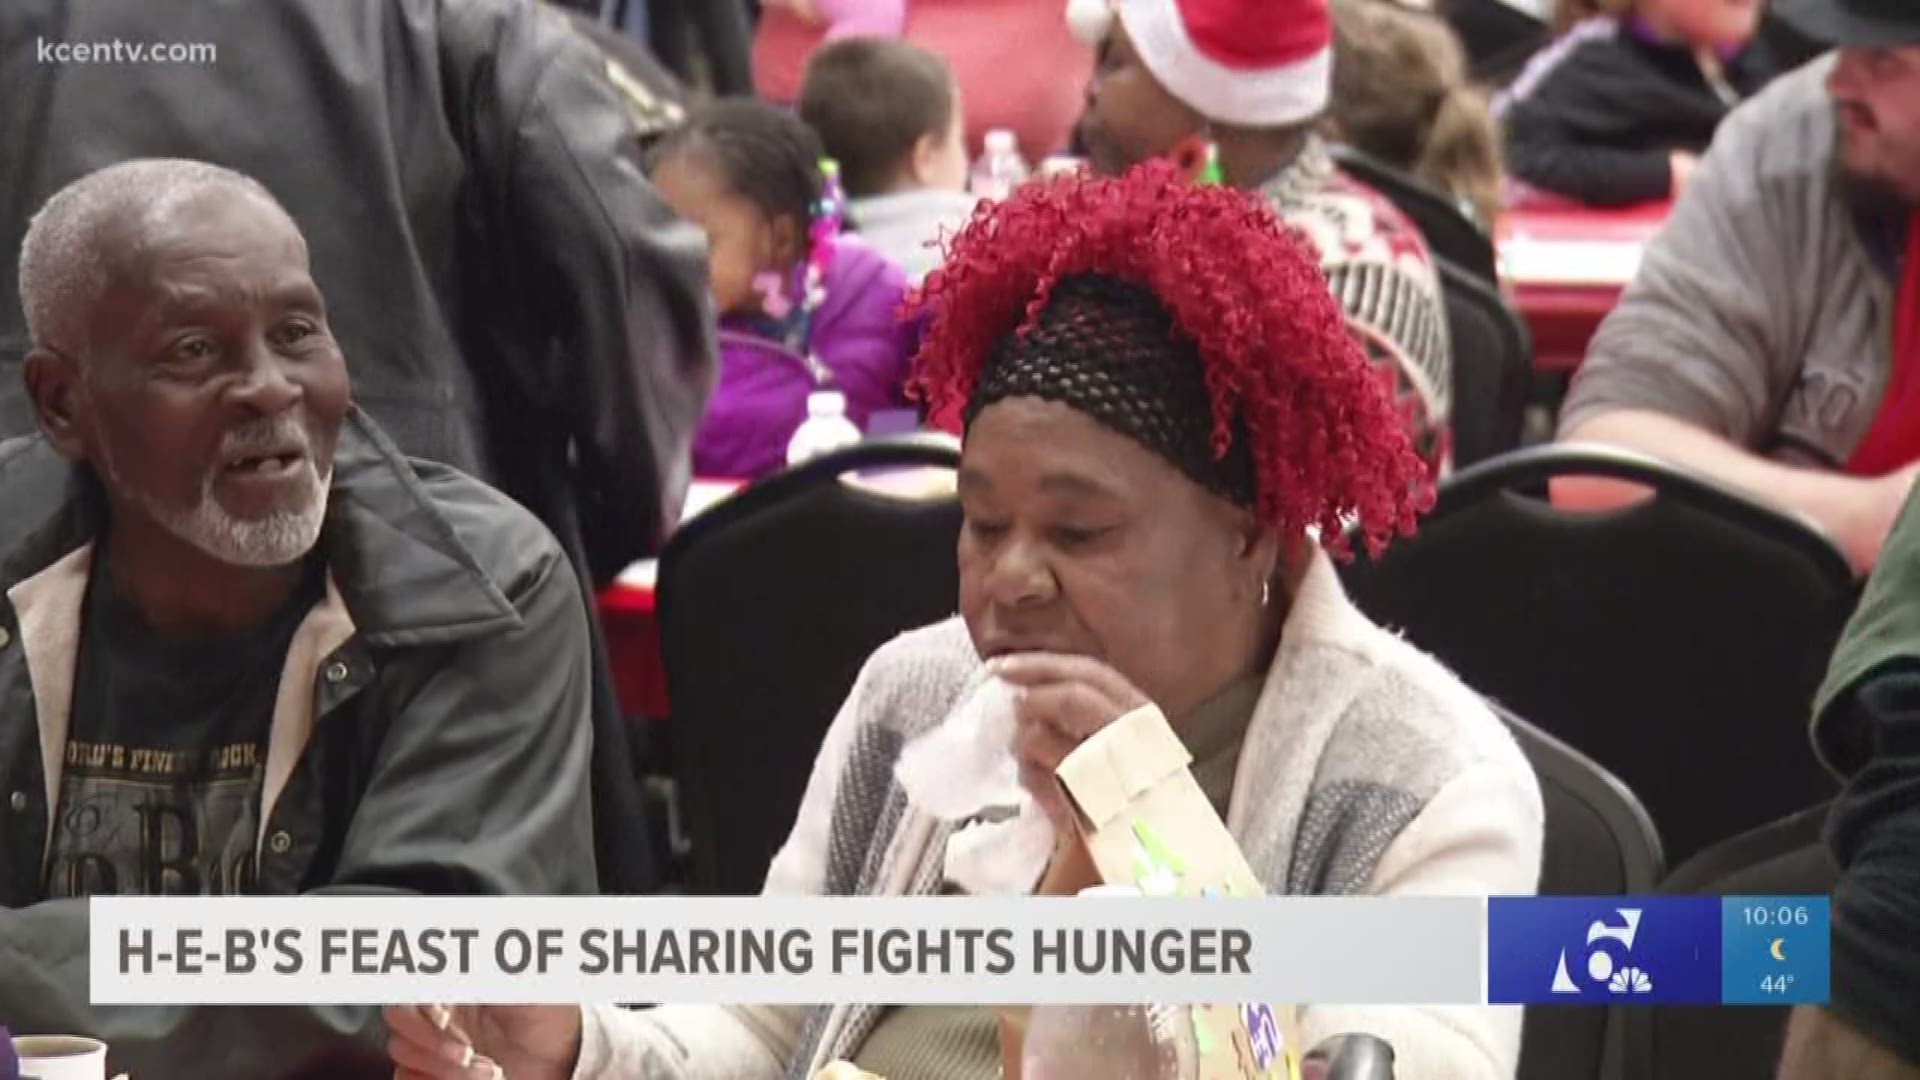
(1756, 345)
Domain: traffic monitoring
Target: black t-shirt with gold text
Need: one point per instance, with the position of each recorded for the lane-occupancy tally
(160, 790)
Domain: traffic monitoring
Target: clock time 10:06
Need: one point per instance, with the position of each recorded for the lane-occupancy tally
(1787, 915)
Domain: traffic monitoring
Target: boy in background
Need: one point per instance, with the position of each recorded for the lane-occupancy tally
(890, 114)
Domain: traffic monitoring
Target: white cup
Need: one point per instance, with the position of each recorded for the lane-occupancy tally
(60, 1057)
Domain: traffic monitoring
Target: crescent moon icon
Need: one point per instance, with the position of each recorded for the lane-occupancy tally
(1775, 949)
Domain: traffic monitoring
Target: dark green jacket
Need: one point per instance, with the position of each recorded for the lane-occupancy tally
(1867, 727)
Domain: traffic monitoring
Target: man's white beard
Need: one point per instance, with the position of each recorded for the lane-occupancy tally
(283, 536)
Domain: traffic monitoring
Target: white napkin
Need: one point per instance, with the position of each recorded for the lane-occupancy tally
(965, 764)
(964, 771)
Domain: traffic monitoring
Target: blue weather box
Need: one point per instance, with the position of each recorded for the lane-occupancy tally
(1609, 950)
(1775, 950)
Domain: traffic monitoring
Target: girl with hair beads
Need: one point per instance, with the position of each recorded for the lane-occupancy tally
(1618, 110)
(801, 306)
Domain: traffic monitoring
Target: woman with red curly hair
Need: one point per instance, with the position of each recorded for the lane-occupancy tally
(1162, 412)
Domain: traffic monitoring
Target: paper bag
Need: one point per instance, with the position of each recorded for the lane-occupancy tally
(1147, 824)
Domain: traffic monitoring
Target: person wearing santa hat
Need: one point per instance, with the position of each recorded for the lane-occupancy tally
(1232, 91)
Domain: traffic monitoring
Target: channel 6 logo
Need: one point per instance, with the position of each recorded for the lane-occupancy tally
(1609, 950)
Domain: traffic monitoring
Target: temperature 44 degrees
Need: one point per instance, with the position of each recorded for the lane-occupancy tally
(1776, 984)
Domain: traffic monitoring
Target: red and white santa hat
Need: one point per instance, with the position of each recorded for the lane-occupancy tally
(1254, 63)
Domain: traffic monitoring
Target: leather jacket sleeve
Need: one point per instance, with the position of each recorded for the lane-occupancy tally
(479, 783)
(620, 342)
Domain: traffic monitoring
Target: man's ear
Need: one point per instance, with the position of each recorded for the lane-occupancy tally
(53, 385)
(1261, 549)
(789, 238)
(924, 161)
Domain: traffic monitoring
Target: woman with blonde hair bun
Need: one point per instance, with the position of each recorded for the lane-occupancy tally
(1401, 94)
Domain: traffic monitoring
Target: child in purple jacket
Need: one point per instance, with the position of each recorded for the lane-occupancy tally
(801, 307)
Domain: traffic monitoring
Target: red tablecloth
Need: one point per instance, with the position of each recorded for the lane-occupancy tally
(633, 645)
(1565, 265)
(633, 632)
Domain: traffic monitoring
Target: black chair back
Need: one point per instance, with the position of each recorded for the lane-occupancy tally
(769, 604)
(1492, 367)
(1677, 641)
(1683, 1042)
(1599, 842)
(1450, 233)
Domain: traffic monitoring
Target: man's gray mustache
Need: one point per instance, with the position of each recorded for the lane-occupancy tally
(265, 436)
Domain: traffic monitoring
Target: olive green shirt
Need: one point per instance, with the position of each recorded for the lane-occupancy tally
(1885, 628)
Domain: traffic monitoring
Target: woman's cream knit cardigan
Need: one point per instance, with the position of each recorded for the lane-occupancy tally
(1368, 769)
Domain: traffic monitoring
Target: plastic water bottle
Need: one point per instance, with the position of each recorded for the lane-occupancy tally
(1000, 169)
(1109, 1042)
(825, 428)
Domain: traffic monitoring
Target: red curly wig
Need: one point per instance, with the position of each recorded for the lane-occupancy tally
(1329, 447)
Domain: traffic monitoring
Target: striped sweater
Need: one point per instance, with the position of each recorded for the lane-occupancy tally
(1378, 267)
(1367, 769)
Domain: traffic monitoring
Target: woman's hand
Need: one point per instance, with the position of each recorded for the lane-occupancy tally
(483, 1042)
(1059, 701)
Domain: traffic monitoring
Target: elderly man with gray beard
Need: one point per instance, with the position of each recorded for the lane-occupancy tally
(246, 647)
